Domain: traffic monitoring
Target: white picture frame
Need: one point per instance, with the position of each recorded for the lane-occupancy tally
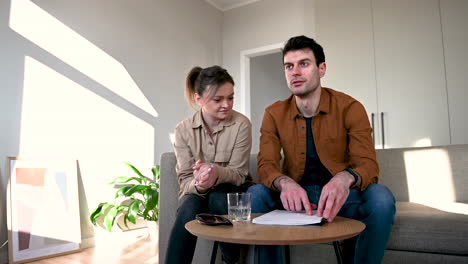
(42, 209)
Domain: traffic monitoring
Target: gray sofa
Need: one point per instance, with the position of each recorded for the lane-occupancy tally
(432, 228)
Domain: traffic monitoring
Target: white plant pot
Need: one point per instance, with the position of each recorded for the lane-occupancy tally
(153, 231)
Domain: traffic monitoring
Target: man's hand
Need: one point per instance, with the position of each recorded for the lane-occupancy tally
(334, 195)
(294, 197)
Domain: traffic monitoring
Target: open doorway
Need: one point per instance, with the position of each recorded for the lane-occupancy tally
(263, 83)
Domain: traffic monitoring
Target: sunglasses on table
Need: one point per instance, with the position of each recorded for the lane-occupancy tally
(211, 219)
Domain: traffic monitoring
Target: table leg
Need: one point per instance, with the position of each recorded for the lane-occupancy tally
(339, 256)
(214, 251)
(287, 254)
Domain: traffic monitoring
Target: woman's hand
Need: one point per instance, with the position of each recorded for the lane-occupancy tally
(205, 175)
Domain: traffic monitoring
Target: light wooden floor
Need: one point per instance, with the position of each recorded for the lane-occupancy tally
(131, 248)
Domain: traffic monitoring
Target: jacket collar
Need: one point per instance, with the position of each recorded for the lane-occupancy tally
(323, 107)
(197, 121)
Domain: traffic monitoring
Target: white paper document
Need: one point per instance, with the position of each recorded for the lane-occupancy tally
(282, 217)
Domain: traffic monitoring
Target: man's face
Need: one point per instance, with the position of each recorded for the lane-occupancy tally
(301, 71)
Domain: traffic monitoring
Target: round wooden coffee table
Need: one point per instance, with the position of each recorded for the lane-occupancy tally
(254, 234)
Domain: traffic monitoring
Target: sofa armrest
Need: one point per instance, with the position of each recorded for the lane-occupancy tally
(168, 200)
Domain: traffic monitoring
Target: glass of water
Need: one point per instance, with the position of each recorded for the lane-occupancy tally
(239, 206)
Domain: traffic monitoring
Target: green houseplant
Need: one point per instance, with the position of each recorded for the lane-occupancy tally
(139, 197)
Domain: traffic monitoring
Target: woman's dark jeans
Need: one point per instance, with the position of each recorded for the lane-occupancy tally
(181, 243)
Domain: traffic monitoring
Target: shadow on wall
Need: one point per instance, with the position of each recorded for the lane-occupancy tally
(83, 80)
(143, 55)
(69, 97)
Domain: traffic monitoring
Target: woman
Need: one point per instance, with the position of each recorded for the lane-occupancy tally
(213, 150)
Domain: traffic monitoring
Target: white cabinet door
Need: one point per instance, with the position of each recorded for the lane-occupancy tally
(389, 56)
(411, 86)
(455, 32)
(344, 29)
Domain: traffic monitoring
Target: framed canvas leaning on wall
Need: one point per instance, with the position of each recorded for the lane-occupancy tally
(42, 209)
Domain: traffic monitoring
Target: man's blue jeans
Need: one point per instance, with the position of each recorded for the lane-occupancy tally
(375, 207)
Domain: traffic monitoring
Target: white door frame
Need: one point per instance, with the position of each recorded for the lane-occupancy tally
(245, 56)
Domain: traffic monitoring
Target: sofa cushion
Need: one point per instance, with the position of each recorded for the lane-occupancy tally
(442, 168)
(425, 229)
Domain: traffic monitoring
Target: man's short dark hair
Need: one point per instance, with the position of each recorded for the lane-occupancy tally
(303, 42)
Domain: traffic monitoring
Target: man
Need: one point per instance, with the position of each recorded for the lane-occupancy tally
(329, 161)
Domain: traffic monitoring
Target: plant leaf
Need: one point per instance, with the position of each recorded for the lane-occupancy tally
(156, 170)
(122, 191)
(96, 213)
(126, 220)
(146, 208)
(121, 208)
(125, 179)
(133, 210)
(153, 201)
(102, 207)
(136, 188)
(134, 169)
(110, 218)
(147, 194)
(121, 227)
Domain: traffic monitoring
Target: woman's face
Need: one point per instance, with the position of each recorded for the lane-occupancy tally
(217, 106)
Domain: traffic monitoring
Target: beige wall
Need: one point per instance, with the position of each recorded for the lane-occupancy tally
(98, 81)
(261, 24)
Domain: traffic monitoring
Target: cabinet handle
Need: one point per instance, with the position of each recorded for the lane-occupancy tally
(372, 125)
(383, 129)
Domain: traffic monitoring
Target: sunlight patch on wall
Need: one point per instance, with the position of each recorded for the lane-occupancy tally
(36, 25)
(62, 118)
(423, 142)
(429, 176)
